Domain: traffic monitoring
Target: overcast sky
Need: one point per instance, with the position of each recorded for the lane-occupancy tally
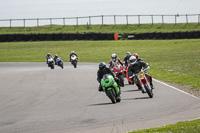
(10, 9)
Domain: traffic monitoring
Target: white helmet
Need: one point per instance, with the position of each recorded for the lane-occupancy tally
(114, 57)
(132, 60)
(72, 52)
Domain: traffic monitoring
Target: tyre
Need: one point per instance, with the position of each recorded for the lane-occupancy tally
(111, 95)
(149, 91)
(121, 80)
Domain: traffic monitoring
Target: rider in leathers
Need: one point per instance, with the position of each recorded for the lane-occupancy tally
(102, 71)
(136, 66)
(126, 59)
(72, 53)
(115, 61)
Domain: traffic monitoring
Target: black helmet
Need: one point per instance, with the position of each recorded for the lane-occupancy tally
(128, 54)
(102, 65)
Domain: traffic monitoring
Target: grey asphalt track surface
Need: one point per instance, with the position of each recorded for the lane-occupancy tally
(36, 99)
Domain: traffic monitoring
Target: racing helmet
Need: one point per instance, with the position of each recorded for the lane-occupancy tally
(128, 54)
(72, 52)
(48, 54)
(56, 56)
(132, 60)
(114, 57)
(136, 55)
(102, 65)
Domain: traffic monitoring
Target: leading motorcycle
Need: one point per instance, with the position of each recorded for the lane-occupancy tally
(111, 88)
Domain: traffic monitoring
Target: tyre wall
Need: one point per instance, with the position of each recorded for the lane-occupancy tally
(98, 36)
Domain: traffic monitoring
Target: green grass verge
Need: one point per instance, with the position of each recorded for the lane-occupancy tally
(123, 28)
(173, 61)
(180, 127)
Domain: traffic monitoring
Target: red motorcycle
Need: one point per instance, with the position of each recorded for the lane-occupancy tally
(119, 71)
(143, 81)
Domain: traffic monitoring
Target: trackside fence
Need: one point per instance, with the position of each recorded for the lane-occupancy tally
(102, 20)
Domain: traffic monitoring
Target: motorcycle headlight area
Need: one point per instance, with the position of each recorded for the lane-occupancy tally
(104, 85)
(111, 83)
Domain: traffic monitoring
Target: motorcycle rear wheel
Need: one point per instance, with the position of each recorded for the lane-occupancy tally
(121, 80)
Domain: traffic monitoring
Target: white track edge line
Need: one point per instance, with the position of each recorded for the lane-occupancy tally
(176, 88)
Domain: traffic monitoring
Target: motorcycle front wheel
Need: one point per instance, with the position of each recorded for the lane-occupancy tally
(149, 91)
(111, 95)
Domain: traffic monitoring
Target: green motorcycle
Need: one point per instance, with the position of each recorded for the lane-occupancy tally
(111, 88)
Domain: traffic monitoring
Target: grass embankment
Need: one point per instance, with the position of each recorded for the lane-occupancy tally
(123, 28)
(180, 127)
(173, 61)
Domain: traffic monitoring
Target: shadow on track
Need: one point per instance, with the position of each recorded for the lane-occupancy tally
(100, 104)
(136, 98)
(130, 90)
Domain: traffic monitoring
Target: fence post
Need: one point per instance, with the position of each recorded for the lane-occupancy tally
(162, 20)
(51, 22)
(198, 18)
(102, 19)
(139, 19)
(64, 22)
(127, 19)
(186, 18)
(37, 22)
(175, 19)
(10, 23)
(89, 20)
(24, 23)
(76, 21)
(114, 20)
(152, 19)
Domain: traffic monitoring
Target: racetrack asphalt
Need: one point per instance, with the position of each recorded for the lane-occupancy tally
(36, 99)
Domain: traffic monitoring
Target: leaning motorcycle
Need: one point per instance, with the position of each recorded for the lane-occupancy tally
(50, 62)
(143, 81)
(59, 62)
(110, 88)
(74, 60)
(119, 71)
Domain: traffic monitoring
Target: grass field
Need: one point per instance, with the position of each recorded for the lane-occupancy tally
(180, 127)
(173, 61)
(123, 28)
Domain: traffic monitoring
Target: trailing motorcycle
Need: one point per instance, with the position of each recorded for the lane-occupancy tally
(50, 62)
(110, 88)
(74, 60)
(119, 71)
(143, 81)
(59, 62)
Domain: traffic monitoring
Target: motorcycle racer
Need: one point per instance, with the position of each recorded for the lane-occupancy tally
(55, 57)
(48, 56)
(115, 61)
(136, 66)
(72, 53)
(137, 57)
(102, 71)
(126, 59)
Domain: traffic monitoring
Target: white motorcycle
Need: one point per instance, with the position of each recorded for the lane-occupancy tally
(50, 62)
(74, 60)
